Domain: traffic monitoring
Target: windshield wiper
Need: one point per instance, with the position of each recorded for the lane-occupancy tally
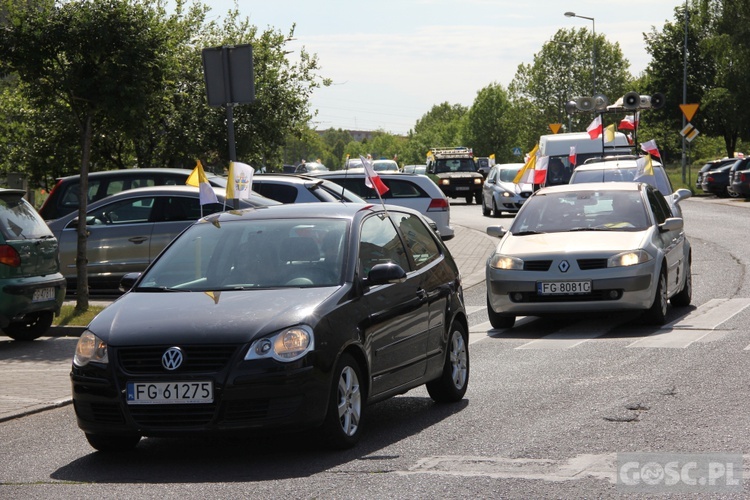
(589, 229)
(526, 233)
(160, 289)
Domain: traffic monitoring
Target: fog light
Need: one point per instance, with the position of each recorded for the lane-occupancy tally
(614, 294)
(518, 297)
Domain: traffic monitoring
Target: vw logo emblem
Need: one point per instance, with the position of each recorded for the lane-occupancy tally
(564, 266)
(172, 358)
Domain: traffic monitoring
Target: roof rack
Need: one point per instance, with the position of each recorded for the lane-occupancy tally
(457, 152)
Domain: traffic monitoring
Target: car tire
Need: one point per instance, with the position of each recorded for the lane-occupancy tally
(469, 198)
(485, 211)
(113, 442)
(452, 383)
(499, 320)
(478, 198)
(33, 326)
(684, 296)
(495, 211)
(657, 313)
(342, 427)
(732, 193)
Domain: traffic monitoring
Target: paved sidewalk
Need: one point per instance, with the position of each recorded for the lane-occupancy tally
(34, 376)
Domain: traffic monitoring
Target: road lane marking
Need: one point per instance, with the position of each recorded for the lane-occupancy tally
(711, 314)
(671, 338)
(574, 335)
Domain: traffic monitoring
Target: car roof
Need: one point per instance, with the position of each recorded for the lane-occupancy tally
(136, 171)
(614, 163)
(311, 210)
(592, 186)
(13, 192)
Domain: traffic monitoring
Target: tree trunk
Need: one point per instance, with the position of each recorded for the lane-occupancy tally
(82, 278)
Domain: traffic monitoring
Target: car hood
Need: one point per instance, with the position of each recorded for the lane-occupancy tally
(572, 242)
(142, 318)
(512, 187)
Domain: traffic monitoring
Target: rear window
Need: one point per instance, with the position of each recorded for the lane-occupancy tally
(19, 220)
(397, 188)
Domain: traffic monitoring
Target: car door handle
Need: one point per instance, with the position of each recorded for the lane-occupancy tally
(422, 294)
(137, 239)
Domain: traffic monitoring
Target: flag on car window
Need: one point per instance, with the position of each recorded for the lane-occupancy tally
(372, 179)
(572, 155)
(595, 128)
(540, 170)
(198, 179)
(650, 147)
(645, 169)
(240, 181)
(528, 166)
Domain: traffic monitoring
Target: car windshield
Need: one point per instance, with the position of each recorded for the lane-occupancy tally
(251, 254)
(385, 165)
(659, 179)
(508, 174)
(581, 211)
(455, 165)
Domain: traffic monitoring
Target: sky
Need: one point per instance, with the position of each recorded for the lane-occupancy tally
(392, 61)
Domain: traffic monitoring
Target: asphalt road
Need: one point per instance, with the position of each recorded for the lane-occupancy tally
(551, 405)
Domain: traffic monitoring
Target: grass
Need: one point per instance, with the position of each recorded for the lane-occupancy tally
(70, 317)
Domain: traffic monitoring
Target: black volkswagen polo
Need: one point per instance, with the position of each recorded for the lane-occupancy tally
(270, 318)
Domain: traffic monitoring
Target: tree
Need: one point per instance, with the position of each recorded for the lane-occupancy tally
(97, 60)
(441, 127)
(562, 71)
(487, 126)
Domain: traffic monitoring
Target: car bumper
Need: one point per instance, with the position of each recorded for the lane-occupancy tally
(510, 292)
(284, 399)
(17, 297)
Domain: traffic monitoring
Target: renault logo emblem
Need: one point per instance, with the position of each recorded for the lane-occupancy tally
(564, 266)
(172, 358)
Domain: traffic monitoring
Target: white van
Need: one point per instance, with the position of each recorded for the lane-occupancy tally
(557, 147)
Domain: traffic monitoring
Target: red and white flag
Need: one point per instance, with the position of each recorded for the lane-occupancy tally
(595, 128)
(540, 169)
(650, 148)
(572, 155)
(372, 179)
(630, 122)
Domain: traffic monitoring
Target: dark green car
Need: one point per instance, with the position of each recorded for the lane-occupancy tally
(32, 289)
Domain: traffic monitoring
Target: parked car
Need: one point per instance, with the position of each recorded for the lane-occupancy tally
(484, 165)
(585, 248)
(310, 167)
(415, 169)
(385, 166)
(63, 198)
(625, 169)
(500, 194)
(301, 189)
(716, 181)
(295, 317)
(407, 190)
(711, 165)
(32, 289)
(739, 175)
(128, 230)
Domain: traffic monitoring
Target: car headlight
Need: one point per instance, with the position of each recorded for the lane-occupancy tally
(287, 345)
(90, 348)
(506, 262)
(629, 258)
(506, 194)
(478, 180)
(445, 182)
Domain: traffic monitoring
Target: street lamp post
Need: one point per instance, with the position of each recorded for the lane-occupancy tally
(593, 47)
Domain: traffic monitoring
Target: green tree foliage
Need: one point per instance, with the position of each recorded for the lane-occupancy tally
(562, 71)
(441, 127)
(487, 128)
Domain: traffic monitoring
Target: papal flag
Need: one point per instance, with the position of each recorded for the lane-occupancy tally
(240, 181)
(609, 133)
(529, 165)
(645, 169)
(198, 179)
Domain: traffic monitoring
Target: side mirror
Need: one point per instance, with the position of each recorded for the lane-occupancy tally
(497, 231)
(671, 224)
(127, 281)
(681, 194)
(388, 272)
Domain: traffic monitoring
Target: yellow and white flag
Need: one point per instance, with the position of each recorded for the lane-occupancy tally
(530, 163)
(609, 133)
(240, 181)
(645, 168)
(198, 179)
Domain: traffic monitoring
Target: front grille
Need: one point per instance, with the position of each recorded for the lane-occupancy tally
(588, 264)
(156, 416)
(594, 296)
(198, 358)
(537, 265)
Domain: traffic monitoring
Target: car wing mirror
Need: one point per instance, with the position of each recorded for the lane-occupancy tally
(384, 273)
(671, 224)
(496, 231)
(681, 194)
(127, 281)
